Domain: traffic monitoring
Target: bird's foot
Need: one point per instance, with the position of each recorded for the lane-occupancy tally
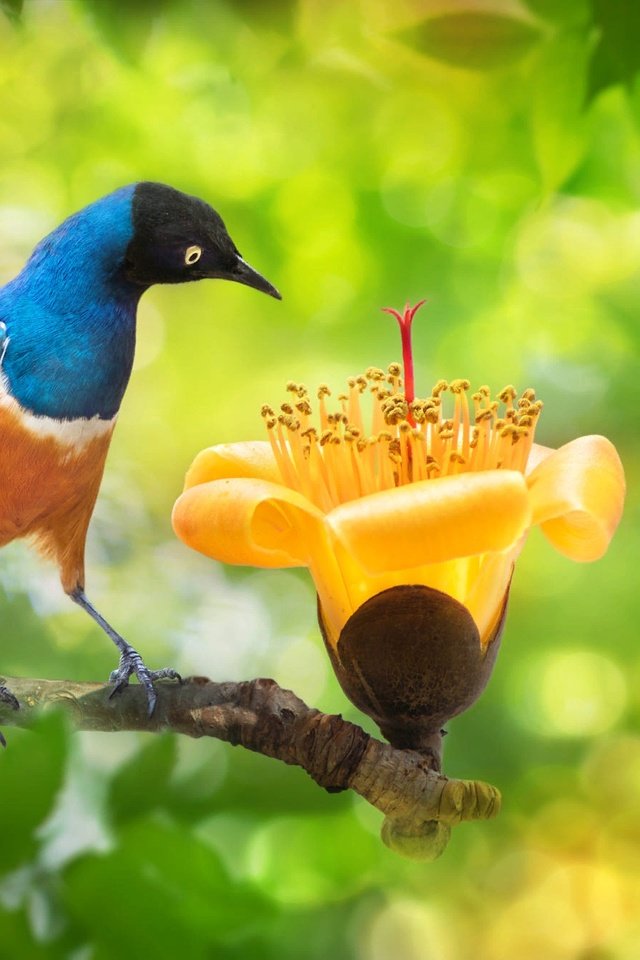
(130, 660)
(132, 663)
(7, 697)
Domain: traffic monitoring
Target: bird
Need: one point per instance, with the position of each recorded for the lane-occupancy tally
(67, 342)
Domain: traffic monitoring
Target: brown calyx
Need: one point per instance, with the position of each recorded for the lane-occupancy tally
(410, 658)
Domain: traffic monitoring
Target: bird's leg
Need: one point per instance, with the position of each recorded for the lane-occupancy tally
(7, 697)
(130, 660)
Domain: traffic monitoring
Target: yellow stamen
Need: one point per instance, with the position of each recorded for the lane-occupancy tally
(332, 458)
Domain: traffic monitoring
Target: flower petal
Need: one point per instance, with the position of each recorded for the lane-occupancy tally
(248, 521)
(486, 596)
(434, 520)
(537, 454)
(251, 459)
(577, 495)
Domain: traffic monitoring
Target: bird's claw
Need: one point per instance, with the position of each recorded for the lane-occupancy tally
(7, 697)
(132, 663)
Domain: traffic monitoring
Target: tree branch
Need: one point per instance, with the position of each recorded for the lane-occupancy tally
(420, 804)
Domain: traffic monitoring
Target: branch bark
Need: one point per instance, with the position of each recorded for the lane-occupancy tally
(420, 804)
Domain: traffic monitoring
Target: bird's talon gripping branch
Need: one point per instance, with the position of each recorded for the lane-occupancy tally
(130, 660)
(132, 663)
(7, 697)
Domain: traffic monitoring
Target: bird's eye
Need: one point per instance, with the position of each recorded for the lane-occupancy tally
(192, 255)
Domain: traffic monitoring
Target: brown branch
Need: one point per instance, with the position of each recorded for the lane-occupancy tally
(420, 805)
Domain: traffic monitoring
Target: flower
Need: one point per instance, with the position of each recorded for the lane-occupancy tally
(439, 501)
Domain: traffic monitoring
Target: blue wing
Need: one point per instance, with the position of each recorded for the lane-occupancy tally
(66, 366)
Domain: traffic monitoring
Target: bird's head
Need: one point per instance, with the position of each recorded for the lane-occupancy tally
(178, 238)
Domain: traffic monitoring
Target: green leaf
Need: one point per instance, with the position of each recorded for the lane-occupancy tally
(474, 41)
(141, 784)
(31, 772)
(16, 939)
(616, 58)
(161, 886)
(12, 8)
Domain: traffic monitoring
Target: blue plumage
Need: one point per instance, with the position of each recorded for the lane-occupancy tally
(67, 341)
(71, 314)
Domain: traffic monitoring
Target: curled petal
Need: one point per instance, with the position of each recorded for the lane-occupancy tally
(577, 495)
(537, 454)
(434, 520)
(248, 521)
(251, 459)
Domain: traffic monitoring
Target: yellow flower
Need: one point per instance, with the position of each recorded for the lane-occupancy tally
(422, 496)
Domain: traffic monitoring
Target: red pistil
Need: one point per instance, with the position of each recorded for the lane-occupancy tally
(404, 320)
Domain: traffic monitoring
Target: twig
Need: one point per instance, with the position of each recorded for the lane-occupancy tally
(420, 804)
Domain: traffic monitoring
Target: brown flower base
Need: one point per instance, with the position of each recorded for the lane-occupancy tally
(411, 658)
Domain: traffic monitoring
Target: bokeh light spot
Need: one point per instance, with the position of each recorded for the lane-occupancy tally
(411, 930)
(611, 774)
(570, 693)
(571, 911)
(578, 247)
(302, 666)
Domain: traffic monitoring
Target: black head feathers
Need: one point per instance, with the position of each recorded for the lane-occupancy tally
(178, 238)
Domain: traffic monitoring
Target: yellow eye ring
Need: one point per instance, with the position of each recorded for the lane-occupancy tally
(192, 255)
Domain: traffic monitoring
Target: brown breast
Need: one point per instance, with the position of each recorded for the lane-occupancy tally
(49, 479)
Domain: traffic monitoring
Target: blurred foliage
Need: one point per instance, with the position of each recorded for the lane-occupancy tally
(485, 155)
(12, 8)
(616, 57)
(475, 41)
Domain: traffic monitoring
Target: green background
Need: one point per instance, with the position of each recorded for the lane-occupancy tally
(485, 155)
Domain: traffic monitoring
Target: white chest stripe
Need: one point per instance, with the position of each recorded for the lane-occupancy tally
(74, 434)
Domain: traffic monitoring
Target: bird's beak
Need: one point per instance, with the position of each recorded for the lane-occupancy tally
(243, 273)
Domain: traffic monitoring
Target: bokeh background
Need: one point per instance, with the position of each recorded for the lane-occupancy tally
(485, 155)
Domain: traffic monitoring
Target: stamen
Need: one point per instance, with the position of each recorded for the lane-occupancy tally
(333, 458)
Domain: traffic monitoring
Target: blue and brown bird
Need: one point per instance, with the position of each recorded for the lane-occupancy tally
(67, 340)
